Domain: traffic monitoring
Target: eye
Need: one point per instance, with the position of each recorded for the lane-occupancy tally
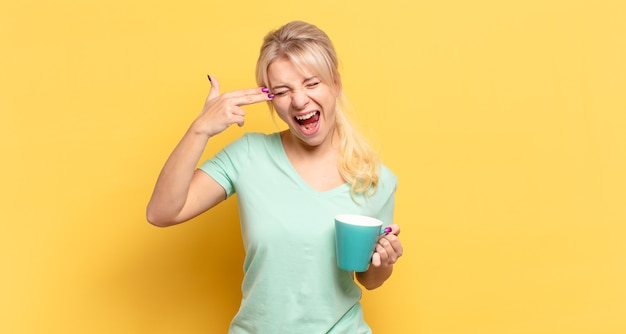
(281, 93)
(313, 84)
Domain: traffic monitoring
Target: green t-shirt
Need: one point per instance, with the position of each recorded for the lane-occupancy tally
(292, 283)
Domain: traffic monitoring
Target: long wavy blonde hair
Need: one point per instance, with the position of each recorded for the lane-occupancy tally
(308, 46)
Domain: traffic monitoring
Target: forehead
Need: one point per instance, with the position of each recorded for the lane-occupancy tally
(284, 70)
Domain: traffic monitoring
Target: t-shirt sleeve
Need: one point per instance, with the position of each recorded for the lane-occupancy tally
(389, 185)
(224, 167)
(386, 213)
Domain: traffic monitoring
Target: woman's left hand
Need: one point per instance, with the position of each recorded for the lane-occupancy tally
(388, 248)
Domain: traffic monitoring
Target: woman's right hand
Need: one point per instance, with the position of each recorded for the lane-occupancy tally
(181, 192)
(223, 110)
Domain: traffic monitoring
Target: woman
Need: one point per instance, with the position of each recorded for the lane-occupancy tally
(289, 186)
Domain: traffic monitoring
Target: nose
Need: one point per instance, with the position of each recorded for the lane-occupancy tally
(299, 99)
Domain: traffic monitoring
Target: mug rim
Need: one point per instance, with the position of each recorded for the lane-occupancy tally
(358, 220)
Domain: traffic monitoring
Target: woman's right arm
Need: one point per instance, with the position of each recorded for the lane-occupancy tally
(182, 192)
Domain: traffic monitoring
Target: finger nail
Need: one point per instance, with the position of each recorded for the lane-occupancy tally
(387, 230)
(265, 90)
(209, 77)
(271, 96)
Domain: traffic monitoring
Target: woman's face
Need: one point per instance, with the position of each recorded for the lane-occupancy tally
(304, 102)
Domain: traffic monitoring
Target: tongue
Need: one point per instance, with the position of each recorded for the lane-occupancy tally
(310, 120)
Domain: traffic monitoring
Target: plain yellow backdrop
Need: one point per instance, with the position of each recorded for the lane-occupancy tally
(504, 120)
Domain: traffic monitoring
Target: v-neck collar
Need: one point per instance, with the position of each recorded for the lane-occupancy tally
(285, 160)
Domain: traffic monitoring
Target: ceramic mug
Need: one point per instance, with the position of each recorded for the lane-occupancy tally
(355, 238)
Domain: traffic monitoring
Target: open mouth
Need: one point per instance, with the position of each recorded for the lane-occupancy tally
(308, 121)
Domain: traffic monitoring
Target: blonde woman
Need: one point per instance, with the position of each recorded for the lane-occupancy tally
(289, 186)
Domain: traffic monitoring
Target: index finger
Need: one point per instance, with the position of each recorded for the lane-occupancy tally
(395, 229)
(249, 96)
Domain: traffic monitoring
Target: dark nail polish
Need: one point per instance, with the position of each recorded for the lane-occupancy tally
(208, 76)
(265, 90)
(271, 96)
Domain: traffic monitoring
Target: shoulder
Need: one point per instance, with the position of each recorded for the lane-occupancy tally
(387, 183)
(260, 139)
(387, 178)
(251, 141)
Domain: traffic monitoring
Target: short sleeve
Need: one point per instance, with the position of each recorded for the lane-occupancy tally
(389, 185)
(224, 166)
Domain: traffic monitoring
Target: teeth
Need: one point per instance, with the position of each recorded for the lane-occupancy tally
(307, 116)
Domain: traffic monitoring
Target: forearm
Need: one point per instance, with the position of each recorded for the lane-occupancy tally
(172, 186)
(374, 277)
(175, 198)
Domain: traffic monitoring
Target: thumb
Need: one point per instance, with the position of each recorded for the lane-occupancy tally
(215, 88)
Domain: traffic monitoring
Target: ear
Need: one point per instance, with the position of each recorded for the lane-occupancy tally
(337, 89)
(337, 86)
(336, 77)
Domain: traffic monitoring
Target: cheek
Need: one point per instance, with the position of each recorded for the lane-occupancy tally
(327, 98)
(281, 109)
(330, 103)
(280, 106)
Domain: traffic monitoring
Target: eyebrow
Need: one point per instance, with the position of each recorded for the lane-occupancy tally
(287, 86)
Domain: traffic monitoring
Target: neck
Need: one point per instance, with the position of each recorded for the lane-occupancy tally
(296, 147)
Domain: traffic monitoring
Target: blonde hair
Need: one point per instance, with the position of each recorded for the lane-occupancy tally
(307, 46)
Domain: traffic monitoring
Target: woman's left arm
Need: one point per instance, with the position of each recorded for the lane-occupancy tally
(388, 250)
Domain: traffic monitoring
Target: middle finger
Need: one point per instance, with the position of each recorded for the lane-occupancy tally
(248, 96)
(389, 249)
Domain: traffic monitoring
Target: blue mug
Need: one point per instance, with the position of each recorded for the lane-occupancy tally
(355, 238)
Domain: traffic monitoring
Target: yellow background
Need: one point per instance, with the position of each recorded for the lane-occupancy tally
(504, 120)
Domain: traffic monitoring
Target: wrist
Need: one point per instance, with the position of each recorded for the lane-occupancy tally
(374, 277)
(199, 131)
